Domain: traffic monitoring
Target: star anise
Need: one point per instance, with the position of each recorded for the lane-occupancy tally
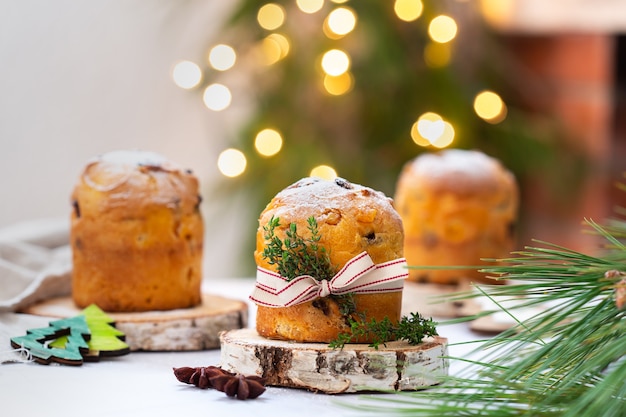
(234, 385)
(242, 387)
(200, 376)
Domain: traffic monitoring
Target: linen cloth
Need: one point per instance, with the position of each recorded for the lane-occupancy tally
(35, 263)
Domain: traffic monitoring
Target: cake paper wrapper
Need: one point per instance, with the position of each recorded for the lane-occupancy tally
(35, 264)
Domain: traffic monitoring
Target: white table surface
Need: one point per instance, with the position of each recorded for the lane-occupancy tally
(143, 384)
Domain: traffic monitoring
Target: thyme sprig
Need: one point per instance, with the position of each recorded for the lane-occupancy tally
(411, 329)
(296, 255)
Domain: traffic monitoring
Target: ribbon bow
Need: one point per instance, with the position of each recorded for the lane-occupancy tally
(359, 275)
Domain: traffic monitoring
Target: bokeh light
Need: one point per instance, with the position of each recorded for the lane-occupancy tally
(310, 6)
(268, 142)
(408, 10)
(446, 138)
(340, 22)
(217, 97)
(271, 16)
(430, 126)
(232, 162)
(335, 62)
(324, 171)
(490, 107)
(338, 85)
(186, 74)
(442, 29)
(498, 13)
(274, 47)
(437, 55)
(417, 138)
(222, 57)
(431, 129)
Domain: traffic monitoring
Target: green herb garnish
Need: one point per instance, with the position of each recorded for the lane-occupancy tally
(411, 329)
(296, 255)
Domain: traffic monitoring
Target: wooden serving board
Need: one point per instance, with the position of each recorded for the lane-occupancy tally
(187, 329)
(317, 367)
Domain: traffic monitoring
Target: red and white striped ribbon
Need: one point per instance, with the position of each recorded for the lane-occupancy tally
(359, 275)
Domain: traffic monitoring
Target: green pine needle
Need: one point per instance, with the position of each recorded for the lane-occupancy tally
(567, 360)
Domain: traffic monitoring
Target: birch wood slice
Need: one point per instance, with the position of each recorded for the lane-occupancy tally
(196, 328)
(316, 367)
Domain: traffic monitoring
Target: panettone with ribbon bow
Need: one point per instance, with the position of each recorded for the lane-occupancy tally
(355, 238)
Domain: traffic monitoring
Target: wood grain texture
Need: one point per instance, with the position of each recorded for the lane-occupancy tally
(316, 367)
(196, 328)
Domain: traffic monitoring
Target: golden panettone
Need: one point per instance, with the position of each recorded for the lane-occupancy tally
(136, 234)
(351, 219)
(458, 207)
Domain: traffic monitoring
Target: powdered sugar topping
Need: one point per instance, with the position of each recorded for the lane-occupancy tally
(463, 163)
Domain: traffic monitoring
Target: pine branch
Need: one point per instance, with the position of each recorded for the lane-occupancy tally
(567, 360)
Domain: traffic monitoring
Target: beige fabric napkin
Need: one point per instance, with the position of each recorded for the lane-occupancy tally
(35, 263)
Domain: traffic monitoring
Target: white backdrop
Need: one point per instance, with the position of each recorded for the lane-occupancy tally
(79, 78)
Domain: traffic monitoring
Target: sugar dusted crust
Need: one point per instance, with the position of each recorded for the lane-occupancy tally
(458, 207)
(458, 171)
(351, 219)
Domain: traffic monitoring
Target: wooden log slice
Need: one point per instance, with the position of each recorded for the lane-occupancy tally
(316, 367)
(432, 300)
(196, 328)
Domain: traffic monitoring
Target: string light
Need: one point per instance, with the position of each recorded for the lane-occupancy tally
(324, 171)
(408, 10)
(339, 22)
(490, 107)
(268, 142)
(271, 16)
(335, 62)
(186, 74)
(310, 6)
(222, 57)
(217, 97)
(338, 85)
(442, 29)
(429, 130)
(231, 162)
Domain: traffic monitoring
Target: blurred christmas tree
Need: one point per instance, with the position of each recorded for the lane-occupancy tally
(358, 88)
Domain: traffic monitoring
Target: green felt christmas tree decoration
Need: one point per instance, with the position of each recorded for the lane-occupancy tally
(105, 339)
(75, 330)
